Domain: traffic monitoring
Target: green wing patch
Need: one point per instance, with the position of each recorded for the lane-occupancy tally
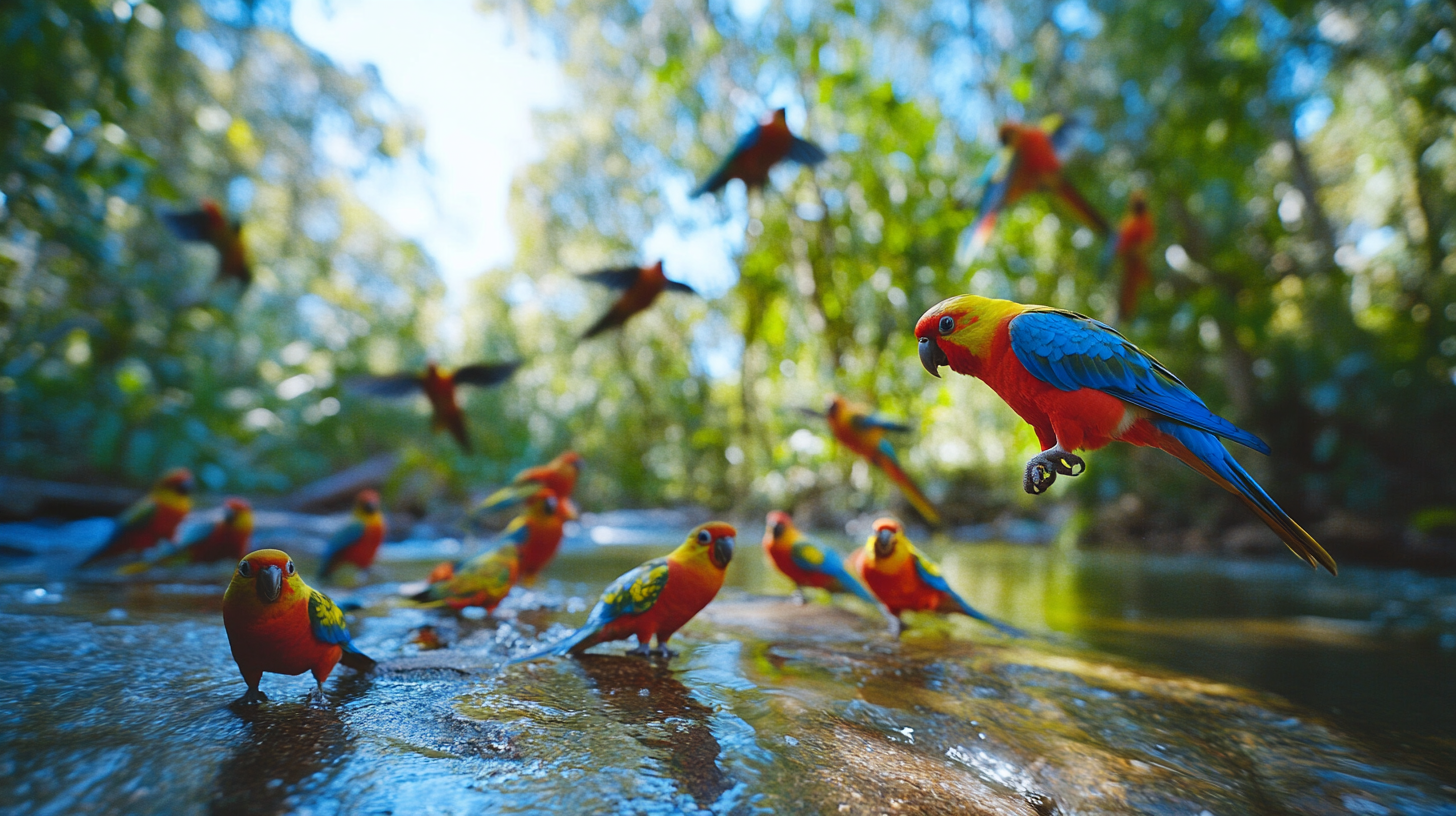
(633, 593)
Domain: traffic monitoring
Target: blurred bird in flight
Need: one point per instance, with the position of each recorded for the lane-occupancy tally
(224, 540)
(1081, 385)
(863, 432)
(758, 151)
(1134, 238)
(1029, 162)
(152, 519)
(640, 286)
(439, 385)
(208, 225)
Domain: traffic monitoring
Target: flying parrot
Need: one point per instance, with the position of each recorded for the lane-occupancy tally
(640, 286)
(1134, 238)
(906, 581)
(656, 598)
(277, 623)
(358, 541)
(758, 151)
(810, 565)
(1029, 163)
(482, 581)
(208, 225)
(559, 475)
(225, 540)
(439, 386)
(536, 535)
(1081, 385)
(152, 519)
(863, 432)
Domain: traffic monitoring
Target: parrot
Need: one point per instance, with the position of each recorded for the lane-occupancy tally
(439, 386)
(536, 534)
(1134, 238)
(482, 581)
(277, 623)
(758, 151)
(809, 565)
(1032, 165)
(358, 541)
(656, 598)
(1080, 384)
(153, 518)
(226, 540)
(640, 287)
(905, 580)
(208, 225)
(559, 474)
(864, 432)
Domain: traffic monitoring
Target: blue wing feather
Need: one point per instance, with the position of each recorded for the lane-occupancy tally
(932, 578)
(829, 563)
(1070, 351)
(877, 421)
(343, 538)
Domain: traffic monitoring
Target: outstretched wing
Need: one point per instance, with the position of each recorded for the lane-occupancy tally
(998, 181)
(877, 421)
(189, 226)
(931, 575)
(725, 170)
(675, 286)
(619, 277)
(1071, 351)
(632, 594)
(393, 385)
(806, 152)
(485, 374)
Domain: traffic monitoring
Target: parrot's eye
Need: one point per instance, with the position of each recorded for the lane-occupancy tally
(288, 568)
(245, 569)
(704, 536)
(947, 324)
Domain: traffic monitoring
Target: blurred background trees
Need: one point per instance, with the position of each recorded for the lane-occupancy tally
(1299, 159)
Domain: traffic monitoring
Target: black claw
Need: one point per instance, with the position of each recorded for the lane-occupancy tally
(1038, 478)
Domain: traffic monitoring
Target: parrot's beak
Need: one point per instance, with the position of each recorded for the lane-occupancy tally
(722, 551)
(931, 356)
(884, 543)
(778, 531)
(270, 583)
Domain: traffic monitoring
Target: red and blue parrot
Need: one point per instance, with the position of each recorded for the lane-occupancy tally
(277, 623)
(640, 287)
(656, 598)
(154, 518)
(1135, 237)
(208, 225)
(863, 432)
(906, 581)
(1029, 163)
(535, 535)
(358, 541)
(758, 151)
(1081, 385)
(809, 565)
(439, 387)
(224, 540)
(559, 475)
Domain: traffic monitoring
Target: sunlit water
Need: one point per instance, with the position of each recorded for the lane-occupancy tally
(1236, 688)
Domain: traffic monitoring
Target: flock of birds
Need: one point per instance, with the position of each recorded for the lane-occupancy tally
(1077, 381)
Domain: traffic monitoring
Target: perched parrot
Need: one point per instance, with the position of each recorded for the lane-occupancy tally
(277, 623)
(225, 540)
(1134, 238)
(810, 565)
(906, 581)
(208, 225)
(358, 541)
(864, 432)
(439, 386)
(1029, 163)
(656, 598)
(559, 475)
(482, 581)
(640, 287)
(1081, 385)
(152, 519)
(536, 535)
(758, 151)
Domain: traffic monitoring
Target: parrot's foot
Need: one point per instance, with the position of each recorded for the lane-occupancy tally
(798, 597)
(895, 626)
(1043, 468)
(663, 651)
(316, 698)
(640, 651)
(252, 697)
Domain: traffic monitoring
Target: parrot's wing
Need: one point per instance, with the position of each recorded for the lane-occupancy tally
(485, 374)
(806, 152)
(633, 593)
(490, 571)
(393, 385)
(877, 421)
(1071, 351)
(811, 412)
(621, 277)
(675, 286)
(720, 176)
(343, 538)
(1064, 132)
(137, 516)
(931, 575)
(888, 451)
(810, 556)
(508, 496)
(189, 226)
(516, 532)
(998, 181)
(326, 620)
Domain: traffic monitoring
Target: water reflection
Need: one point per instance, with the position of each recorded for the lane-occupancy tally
(283, 746)
(664, 717)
